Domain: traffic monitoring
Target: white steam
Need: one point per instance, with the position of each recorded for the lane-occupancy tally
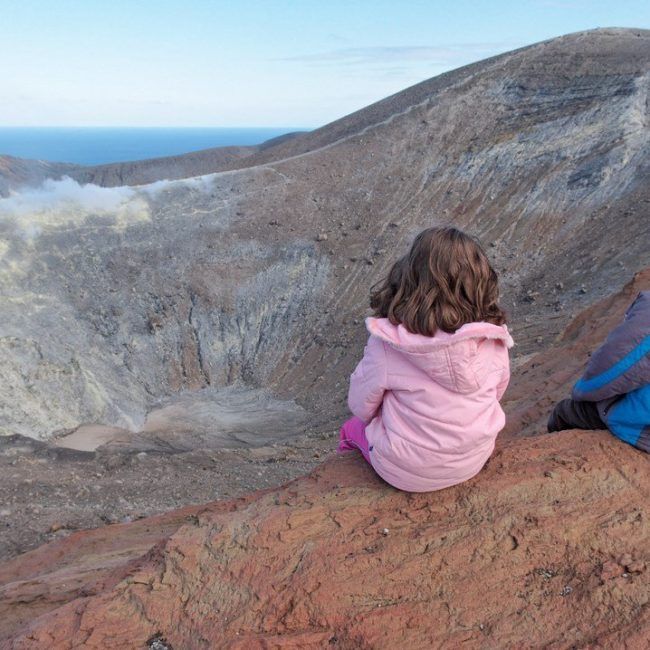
(54, 196)
(29, 212)
(65, 203)
(199, 183)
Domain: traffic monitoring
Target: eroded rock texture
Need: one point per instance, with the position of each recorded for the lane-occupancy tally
(546, 547)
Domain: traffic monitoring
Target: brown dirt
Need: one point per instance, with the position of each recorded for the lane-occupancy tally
(47, 493)
(546, 377)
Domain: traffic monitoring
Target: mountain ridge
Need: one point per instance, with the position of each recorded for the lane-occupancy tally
(296, 143)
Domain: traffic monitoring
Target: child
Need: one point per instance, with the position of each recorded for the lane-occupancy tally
(426, 394)
(614, 392)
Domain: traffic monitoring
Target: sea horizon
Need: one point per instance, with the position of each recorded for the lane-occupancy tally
(97, 145)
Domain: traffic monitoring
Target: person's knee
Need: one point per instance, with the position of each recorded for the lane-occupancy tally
(550, 423)
(555, 421)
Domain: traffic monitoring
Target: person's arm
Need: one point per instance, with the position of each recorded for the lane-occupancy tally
(622, 363)
(368, 381)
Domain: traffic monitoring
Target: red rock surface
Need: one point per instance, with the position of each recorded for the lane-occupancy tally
(55, 573)
(82, 564)
(530, 552)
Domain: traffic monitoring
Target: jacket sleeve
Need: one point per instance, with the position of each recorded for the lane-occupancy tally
(622, 363)
(368, 381)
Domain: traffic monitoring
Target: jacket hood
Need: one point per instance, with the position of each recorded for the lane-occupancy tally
(453, 360)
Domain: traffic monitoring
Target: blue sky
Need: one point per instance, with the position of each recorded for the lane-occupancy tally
(254, 63)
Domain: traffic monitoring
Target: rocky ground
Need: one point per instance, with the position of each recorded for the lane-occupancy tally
(554, 530)
(47, 492)
(555, 527)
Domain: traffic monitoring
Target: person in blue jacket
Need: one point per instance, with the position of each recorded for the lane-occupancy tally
(614, 391)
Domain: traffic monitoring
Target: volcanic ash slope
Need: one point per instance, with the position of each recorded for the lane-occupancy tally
(258, 277)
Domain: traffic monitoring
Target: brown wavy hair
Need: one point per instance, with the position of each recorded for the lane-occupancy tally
(443, 282)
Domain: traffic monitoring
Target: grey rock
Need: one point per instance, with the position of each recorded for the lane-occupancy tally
(117, 303)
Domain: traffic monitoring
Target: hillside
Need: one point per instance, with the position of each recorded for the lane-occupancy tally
(17, 173)
(542, 153)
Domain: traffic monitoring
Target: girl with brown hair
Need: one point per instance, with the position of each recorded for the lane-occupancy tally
(425, 396)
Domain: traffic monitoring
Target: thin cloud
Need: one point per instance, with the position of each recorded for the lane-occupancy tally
(408, 53)
(563, 4)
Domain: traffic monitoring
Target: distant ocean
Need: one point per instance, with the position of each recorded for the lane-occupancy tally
(94, 146)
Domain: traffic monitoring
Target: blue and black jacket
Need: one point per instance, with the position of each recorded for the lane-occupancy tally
(617, 377)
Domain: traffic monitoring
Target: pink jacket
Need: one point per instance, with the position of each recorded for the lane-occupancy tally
(431, 403)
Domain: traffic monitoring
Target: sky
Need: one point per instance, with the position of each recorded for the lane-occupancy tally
(293, 63)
